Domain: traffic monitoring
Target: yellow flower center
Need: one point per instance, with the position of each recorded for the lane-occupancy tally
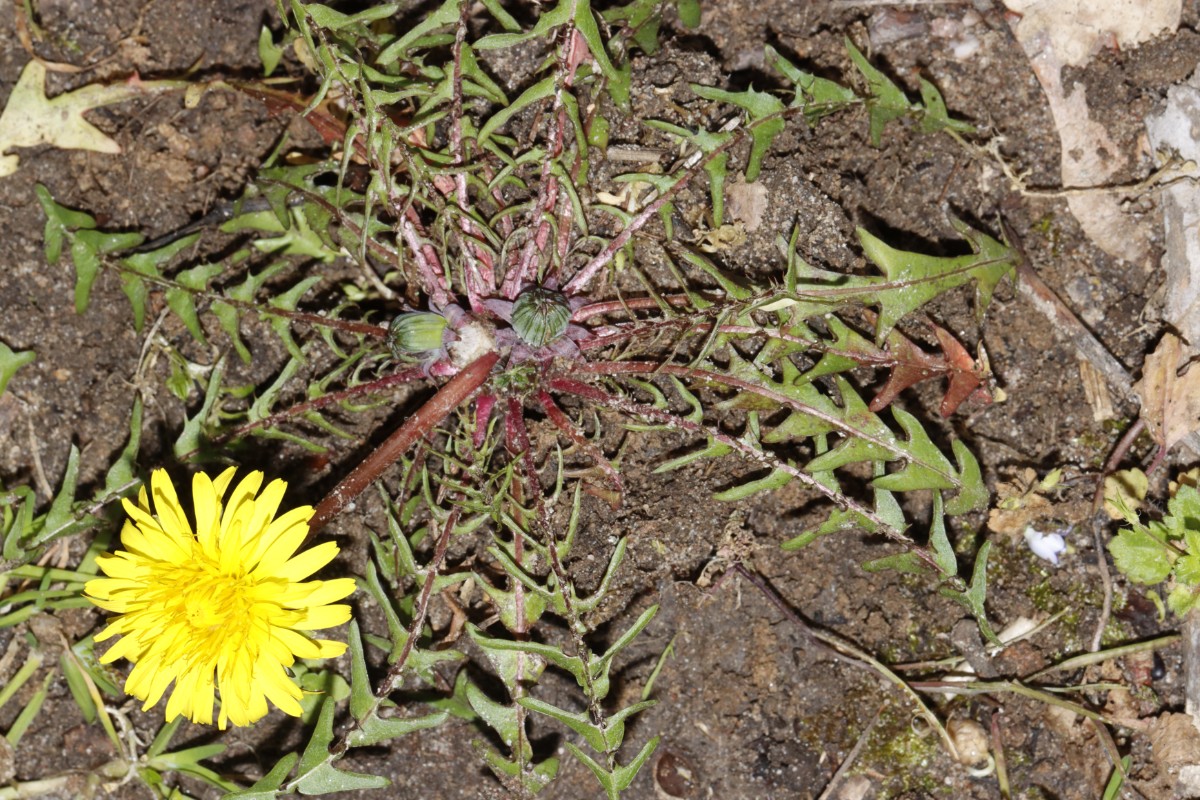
(205, 612)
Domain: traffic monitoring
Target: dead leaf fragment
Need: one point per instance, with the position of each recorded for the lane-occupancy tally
(1125, 488)
(31, 119)
(1058, 33)
(747, 203)
(1170, 392)
(1096, 391)
(1176, 128)
(1175, 740)
(1079, 28)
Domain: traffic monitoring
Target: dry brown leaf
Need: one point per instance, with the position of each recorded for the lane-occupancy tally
(1170, 400)
(1176, 129)
(747, 203)
(1175, 740)
(1020, 502)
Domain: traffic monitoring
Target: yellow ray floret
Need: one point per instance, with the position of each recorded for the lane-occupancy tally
(223, 610)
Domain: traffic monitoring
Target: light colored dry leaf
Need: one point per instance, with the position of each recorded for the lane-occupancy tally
(1095, 389)
(1175, 740)
(31, 119)
(1056, 33)
(1080, 28)
(747, 203)
(1020, 502)
(1176, 128)
(721, 239)
(1170, 401)
(1125, 488)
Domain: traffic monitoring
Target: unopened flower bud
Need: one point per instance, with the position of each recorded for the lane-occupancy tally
(540, 316)
(416, 334)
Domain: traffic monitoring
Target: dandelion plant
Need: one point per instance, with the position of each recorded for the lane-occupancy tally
(495, 276)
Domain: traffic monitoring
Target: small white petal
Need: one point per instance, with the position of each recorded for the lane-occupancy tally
(1046, 546)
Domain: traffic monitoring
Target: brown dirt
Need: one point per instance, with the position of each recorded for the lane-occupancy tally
(749, 707)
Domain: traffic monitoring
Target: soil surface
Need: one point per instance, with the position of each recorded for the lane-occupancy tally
(750, 706)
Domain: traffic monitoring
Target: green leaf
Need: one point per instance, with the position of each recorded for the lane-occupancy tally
(1187, 568)
(818, 96)
(580, 722)
(1183, 599)
(620, 778)
(317, 749)
(149, 265)
(11, 361)
(929, 469)
(194, 427)
(86, 248)
(59, 220)
(267, 787)
(362, 699)
(539, 91)
(228, 315)
(1183, 513)
(943, 551)
(914, 279)
(972, 494)
(501, 718)
(619, 80)
(1140, 556)
(886, 102)
(689, 13)
(377, 729)
(909, 563)
(773, 480)
(60, 519)
(288, 301)
(78, 687)
(446, 15)
(976, 594)
(935, 118)
(268, 52)
(182, 298)
(766, 120)
(326, 779)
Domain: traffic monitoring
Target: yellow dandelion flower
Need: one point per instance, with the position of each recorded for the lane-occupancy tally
(225, 608)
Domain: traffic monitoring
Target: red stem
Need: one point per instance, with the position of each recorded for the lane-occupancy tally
(456, 391)
(564, 424)
(630, 304)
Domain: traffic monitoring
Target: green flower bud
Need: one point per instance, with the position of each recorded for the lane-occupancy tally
(539, 316)
(416, 334)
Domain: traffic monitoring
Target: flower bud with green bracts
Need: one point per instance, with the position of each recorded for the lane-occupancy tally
(540, 316)
(417, 336)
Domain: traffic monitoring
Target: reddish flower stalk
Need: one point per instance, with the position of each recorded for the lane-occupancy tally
(456, 391)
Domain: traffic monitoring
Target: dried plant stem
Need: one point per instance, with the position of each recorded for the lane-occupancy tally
(851, 757)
